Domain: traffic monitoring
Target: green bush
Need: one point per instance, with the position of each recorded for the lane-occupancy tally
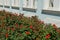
(19, 27)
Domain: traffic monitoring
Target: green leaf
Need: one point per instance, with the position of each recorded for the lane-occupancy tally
(33, 36)
(24, 34)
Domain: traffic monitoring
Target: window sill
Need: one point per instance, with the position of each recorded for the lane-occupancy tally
(13, 7)
(6, 6)
(1, 5)
(51, 12)
(29, 9)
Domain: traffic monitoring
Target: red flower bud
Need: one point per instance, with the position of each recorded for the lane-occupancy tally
(12, 29)
(54, 26)
(31, 27)
(6, 35)
(47, 36)
(21, 25)
(27, 32)
(16, 25)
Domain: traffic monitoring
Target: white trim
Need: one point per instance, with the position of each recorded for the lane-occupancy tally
(1, 2)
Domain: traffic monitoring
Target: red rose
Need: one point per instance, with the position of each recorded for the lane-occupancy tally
(21, 25)
(12, 28)
(47, 36)
(27, 32)
(16, 25)
(31, 27)
(54, 26)
(6, 35)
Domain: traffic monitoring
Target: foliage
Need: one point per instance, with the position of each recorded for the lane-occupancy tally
(19, 27)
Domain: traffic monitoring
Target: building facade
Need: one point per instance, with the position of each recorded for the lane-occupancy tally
(34, 7)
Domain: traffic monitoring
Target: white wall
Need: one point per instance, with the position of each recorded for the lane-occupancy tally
(56, 5)
(1, 2)
(45, 4)
(7, 2)
(15, 3)
(30, 4)
(59, 4)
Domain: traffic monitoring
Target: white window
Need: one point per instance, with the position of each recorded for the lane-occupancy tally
(15, 3)
(1, 2)
(7, 2)
(30, 3)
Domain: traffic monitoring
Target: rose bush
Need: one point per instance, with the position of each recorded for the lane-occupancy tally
(19, 27)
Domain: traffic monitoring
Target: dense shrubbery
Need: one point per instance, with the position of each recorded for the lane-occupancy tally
(19, 27)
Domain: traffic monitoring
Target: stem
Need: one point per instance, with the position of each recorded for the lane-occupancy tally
(6, 38)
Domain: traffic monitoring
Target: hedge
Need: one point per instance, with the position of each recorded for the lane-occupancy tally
(19, 27)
